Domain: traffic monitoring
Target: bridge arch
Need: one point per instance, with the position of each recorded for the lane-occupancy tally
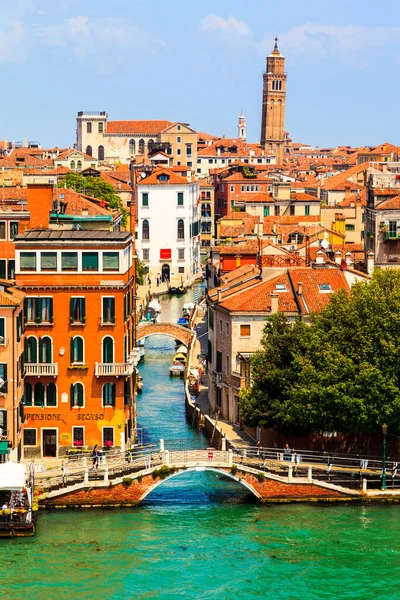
(199, 470)
(177, 332)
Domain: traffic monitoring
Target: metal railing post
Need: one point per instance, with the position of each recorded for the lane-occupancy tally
(230, 457)
(223, 444)
(364, 486)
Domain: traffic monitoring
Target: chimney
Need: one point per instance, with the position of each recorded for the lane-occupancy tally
(370, 262)
(274, 228)
(219, 296)
(338, 257)
(347, 192)
(39, 204)
(319, 257)
(300, 288)
(348, 259)
(274, 302)
(218, 151)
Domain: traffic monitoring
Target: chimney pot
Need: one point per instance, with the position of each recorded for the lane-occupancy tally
(300, 288)
(274, 302)
(219, 295)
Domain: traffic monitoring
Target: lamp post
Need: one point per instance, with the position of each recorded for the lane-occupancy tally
(384, 431)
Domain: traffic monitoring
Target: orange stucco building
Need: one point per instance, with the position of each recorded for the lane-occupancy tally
(80, 351)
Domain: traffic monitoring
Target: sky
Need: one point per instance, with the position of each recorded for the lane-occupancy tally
(200, 63)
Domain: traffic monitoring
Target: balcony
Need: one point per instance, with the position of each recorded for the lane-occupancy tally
(392, 235)
(238, 381)
(114, 369)
(41, 369)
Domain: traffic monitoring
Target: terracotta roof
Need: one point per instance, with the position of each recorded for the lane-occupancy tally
(76, 203)
(313, 298)
(137, 127)
(10, 296)
(119, 186)
(239, 274)
(67, 153)
(255, 198)
(361, 198)
(257, 298)
(302, 197)
(173, 178)
(392, 204)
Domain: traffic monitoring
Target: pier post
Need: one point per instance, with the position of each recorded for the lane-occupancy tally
(161, 445)
(166, 458)
(103, 459)
(230, 457)
(223, 444)
(364, 486)
(106, 475)
(290, 473)
(309, 474)
(86, 476)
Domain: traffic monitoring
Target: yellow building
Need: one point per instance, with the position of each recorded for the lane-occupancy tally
(182, 142)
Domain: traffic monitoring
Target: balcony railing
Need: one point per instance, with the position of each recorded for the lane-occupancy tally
(114, 369)
(392, 235)
(41, 369)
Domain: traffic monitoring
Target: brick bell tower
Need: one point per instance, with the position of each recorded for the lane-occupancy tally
(273, 104)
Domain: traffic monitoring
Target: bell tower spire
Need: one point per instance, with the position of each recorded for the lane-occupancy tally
(242, 127)
(273, 103)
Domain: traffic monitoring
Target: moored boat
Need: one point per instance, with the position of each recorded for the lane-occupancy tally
(177, 369)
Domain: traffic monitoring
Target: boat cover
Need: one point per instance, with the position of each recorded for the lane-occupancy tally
(12, 476)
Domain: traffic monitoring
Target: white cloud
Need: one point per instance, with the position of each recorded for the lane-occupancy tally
(229, 26)
(86, 36)
(12, 41)
(321, 40)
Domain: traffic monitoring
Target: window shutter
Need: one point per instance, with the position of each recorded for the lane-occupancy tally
(38, 315)
(113, 394)
(41, 350)
(71, 346)
(50, 301)
(112, 309)
(71, 309)
(83, 305)
(71, 394)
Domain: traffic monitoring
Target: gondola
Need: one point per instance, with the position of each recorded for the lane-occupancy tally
(177, 291)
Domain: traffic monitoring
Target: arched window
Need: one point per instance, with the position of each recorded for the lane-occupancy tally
(181, 230)
(132, 146)
(79, 165)
(145, 230)
(150, 145)
(31, 350)
(77, 350)
(38, 394)
(108, 349)
(45, 350)
(89, 150)
(77, 394)
(28, 394)
(100, 152)
(51, 394)
(141, 146)
(109, 394)
(72, 165)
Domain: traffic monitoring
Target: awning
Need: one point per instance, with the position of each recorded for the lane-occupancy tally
(245, 355)
(12, 476)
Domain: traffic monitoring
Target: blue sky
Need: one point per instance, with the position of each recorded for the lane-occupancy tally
(200, 62)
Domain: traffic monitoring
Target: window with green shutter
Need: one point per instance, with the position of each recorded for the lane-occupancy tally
(90, 261)
(110, 261)
(307, 210)
(3, 266)
(2, 330)
(77, 310)
(48, 261)
(51, 394)
(38, 394)
(108, 350)
(77, 350)
(145, 199)
(11, 269)
(13, 229)
(46, 310)
(2, 230)
(109, 394)
(108, 314)
(76, 395)
(28, 394)
(45, 350)
(266, 211)
(69, 261)
(180, 198)
(31, 350)
(27, 261)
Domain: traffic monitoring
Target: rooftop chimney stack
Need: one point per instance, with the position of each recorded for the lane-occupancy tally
(274, 302)
(300, 288)
(370, 262)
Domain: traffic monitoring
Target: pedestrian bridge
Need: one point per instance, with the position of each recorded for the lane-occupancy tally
(127, 478)
(178, 332)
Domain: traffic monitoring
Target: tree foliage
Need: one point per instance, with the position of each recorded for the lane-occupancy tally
(95, 187)
(141, 271)
(341, 373)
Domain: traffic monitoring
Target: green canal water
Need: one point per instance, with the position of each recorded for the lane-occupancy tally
(200, 535)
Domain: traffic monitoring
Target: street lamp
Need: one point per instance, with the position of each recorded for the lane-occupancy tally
(384, 431)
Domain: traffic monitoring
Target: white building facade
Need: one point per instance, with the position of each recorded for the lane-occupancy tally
(168, 227)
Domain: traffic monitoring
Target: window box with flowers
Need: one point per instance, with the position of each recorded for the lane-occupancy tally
(108, 444)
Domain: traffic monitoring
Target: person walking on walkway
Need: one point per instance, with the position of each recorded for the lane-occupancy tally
(287, 453)
(95, 458)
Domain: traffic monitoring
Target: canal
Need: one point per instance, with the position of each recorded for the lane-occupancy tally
(200, 535)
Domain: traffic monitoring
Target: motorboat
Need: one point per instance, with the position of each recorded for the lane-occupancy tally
(140, 345)
(183, 322)
(155, 305)
(177, 291)
(180, 357)
(181, 349)
(177, 369)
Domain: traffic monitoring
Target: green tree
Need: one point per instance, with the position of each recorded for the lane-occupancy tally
(95, 187)
(340, 373)
(141, 271)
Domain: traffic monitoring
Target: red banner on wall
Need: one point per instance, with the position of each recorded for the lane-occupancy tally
(165, 253)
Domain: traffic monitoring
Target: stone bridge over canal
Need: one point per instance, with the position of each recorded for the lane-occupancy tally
(178, 332)
(127, 482)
